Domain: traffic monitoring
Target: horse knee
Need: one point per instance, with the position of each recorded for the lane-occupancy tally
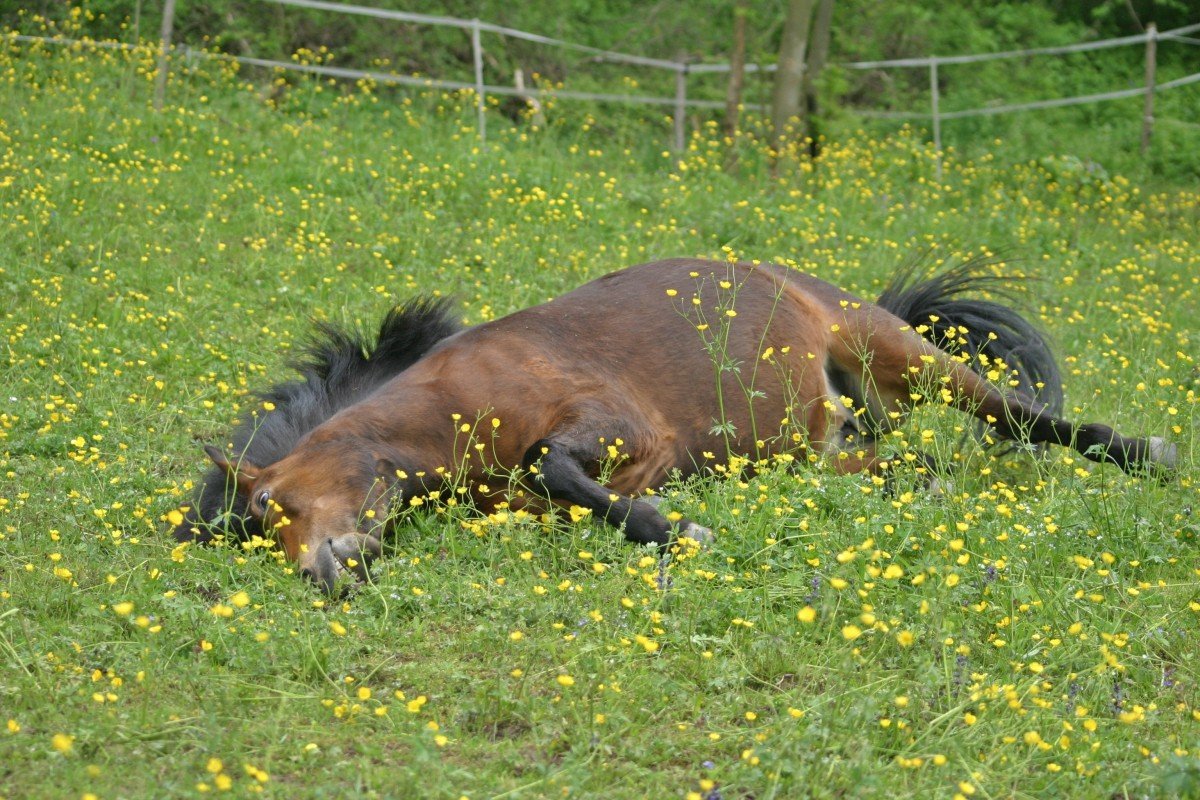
(554, 469)
(558, 473)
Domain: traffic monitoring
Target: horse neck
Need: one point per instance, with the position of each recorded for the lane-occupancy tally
(410, 419)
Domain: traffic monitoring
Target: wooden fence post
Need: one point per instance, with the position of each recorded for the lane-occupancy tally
(1151, 67)
(681, 75)
(477, 52)
(535, 105)
(160, 79)
(937, 119)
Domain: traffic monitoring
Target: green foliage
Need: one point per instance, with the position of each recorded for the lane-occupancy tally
(1105, 133)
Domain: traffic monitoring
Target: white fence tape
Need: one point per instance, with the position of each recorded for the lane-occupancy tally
(676, 66)
(487, 27)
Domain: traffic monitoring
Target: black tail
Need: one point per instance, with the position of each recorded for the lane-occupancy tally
(940, 307)
(337, 369)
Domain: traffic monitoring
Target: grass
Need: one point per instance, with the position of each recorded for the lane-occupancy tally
(1031, 633)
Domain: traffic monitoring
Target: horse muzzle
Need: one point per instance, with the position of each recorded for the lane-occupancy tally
(334, 561)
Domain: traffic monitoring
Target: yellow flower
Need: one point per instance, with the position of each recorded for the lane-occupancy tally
(123, 608)
(565, 680)
(648, 644)
(851, 632)
(63, 743)
(806, 614)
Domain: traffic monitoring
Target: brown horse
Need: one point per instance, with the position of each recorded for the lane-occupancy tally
(664, 364)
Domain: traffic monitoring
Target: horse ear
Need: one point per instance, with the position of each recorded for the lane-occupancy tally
(243, 473)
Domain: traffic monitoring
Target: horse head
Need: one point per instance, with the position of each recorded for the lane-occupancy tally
(326, 503)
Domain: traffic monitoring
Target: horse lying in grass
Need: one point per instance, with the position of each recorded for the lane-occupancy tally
(665, 362)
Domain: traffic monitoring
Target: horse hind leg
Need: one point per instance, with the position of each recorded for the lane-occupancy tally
(1017, 416)
(904, 368)
(868, 407)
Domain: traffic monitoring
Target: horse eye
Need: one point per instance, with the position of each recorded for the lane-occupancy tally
(264, 497)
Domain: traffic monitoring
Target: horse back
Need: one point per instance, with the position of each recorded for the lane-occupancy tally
(677, 358)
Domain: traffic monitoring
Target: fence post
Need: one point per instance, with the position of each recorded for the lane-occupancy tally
(1151, 66)
(477, 52)
(160, 79)
(535, 105)
(681, 75)
(937, 119)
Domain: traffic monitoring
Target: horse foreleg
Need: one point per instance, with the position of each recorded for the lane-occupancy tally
(557, 468)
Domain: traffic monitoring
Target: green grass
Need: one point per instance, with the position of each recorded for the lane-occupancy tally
(1032, 633)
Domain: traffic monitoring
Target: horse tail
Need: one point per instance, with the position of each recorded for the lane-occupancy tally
(941, 307)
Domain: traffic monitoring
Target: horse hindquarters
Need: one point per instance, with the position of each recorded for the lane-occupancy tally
(900, 369)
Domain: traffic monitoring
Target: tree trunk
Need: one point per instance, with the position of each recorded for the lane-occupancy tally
(789, 74)
(737, 85)
(818, 56)
(737, 70)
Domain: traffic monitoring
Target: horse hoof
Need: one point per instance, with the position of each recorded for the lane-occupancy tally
(1163, 454)
(697, 533)
(939, 487)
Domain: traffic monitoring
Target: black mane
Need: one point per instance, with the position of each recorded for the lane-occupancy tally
(337, 369)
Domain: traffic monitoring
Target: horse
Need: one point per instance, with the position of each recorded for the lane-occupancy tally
(604, 393)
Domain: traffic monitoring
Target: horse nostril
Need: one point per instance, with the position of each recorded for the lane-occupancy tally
(308, 574)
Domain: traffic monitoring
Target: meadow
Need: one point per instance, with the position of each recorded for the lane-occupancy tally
(1033, 632)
